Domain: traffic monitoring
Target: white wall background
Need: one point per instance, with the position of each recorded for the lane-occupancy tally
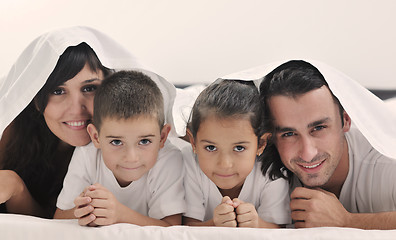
(199, 41)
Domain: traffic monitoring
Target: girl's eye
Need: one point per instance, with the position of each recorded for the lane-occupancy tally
(239, 148)
(116, 142)
(210, 148)
(58, 91)
(144, 142)
(89, 88)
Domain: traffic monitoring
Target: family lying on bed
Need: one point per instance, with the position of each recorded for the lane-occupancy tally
(86, 136)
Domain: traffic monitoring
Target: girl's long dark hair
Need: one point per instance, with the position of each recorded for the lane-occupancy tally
(31, 148)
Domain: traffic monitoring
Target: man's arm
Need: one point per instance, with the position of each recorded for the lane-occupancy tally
(319, 208)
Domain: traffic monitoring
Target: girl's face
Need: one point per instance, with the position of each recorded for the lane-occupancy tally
(70, 107)
(226, 149)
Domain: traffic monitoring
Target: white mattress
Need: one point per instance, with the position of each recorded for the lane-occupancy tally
(17, 227)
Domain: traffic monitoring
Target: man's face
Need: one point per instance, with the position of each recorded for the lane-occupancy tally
(309, 136)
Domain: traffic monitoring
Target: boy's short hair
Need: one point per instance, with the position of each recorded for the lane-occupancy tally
(127, 94)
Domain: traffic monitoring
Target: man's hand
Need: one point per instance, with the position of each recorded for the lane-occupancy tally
(317, 208)
(224, 215)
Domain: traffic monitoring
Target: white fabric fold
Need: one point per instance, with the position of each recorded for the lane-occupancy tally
(374, 118)
(37, 61)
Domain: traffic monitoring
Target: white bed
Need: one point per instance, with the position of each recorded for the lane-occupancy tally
(17, 227)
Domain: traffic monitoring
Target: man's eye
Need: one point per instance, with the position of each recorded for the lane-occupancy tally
(116, 142)
(239, 148)
(317, 128)
(144, 142)
(211, 148)
(89, 88)
(58, 91)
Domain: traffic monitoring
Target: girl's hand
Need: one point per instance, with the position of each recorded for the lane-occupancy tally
(11, 185)
(224, 215)
(246, 214)
(106, 206)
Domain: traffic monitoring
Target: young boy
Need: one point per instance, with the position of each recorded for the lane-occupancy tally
(136, 173)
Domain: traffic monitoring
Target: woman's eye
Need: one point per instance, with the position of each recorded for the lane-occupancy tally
(144, 142)
(287, 134)
(239, 148)
(58, 91)
(89, 88)
(116, 142)
(210, 148)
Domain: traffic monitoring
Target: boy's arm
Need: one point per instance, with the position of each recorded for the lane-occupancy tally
(194, 222)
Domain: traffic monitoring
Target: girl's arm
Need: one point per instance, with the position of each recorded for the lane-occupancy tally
(194, 222)
(16, 195)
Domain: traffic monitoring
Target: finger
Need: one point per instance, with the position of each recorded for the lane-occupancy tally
(86, 220)
(101, 212)
(298, 215)
(299, 204)
(245, 224)
(300, 224)
(303, 193)
(245, 208)
(226, 200)
(237, 202)
(231, 223)
(242, 218)
(324, 191)
(97, 193)
(82, 201)
(83, 211)
(102, 221)
(100, 203)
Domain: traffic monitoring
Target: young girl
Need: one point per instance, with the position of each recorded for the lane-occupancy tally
(223, 182)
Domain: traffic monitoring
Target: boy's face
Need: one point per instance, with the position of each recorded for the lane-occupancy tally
(129, 146)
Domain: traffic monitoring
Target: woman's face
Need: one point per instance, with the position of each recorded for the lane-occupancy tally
(70, 107)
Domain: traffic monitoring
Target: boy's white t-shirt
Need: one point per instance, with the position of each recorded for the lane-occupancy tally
(270, 198)
(370, 186)
(157, 194)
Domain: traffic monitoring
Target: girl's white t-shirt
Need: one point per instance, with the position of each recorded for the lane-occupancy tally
(270, 198)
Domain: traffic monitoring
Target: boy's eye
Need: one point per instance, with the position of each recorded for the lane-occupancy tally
(144, 142)
(116, 142)
(239, 148)
(58, 91)
(89, 88)
(210, 148)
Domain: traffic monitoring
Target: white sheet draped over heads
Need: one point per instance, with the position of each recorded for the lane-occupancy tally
(33, 67)
(368, 113)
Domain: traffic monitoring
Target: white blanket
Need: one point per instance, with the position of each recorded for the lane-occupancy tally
(17, 227)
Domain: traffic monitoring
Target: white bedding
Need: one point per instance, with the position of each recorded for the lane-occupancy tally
(17, 227)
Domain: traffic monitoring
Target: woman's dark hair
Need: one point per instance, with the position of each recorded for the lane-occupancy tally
(290, 79)
(32, 149)
(228, 99)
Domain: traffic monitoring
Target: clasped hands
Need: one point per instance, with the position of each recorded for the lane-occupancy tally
(96, 206)
(233, 213)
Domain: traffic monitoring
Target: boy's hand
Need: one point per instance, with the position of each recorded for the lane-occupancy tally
(83, 210)
(246, 214)
(105, 205)
(224, 215)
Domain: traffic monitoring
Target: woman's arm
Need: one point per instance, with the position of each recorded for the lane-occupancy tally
(16, 195)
